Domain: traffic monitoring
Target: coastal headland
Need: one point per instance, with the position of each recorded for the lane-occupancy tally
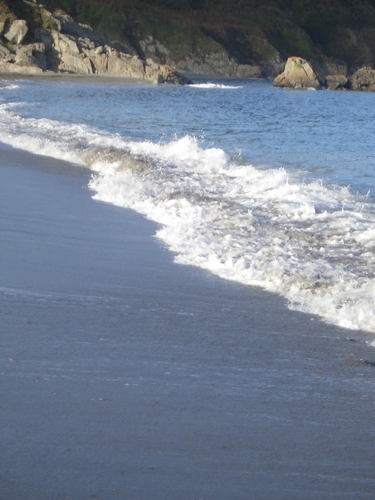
(60, 45)
(161, 41)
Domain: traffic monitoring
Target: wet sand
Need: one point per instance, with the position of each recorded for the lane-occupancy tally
(124, 375)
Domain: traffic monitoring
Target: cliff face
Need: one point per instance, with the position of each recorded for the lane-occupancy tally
(243, 38)
(34, 41)
(237, 37)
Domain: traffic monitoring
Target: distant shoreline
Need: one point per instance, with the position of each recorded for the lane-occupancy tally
(49, 75)
(71, 77)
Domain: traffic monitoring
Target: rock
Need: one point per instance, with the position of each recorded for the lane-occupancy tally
(45, 37)
(78, 49)
(337, 82)
(99, 61)
(31, 55)
(100, 50)
(4, 26)
(125, 65)
(71, 63)
(17, 31)
(363, 79)
(75, 48)
(202, 50)
(298, 74)
(65, 44)
(39, 52)
(4, 52)
(162, 73)
(68, 26)
(324, 66)
(25, 60)
(6, 66)
(68, 55)
(248, 71)
(154, 49)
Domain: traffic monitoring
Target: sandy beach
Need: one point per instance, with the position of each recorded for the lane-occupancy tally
(126, 376)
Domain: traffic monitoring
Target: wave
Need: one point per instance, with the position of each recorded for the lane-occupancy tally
(4, 85)
(309, 242)
(214, 86)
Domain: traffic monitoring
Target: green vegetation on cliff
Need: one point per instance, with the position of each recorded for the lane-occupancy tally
(247, 32)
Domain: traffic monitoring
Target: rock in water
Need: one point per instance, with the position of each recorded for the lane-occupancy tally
(297, 74)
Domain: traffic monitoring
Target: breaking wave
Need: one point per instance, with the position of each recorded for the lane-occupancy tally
(312, 243)
(209, 85)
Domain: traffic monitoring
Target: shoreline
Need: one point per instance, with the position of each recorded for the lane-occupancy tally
(74, 77)
(125, 375)
(51, 76)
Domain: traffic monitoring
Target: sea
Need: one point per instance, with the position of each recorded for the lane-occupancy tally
(267, 187)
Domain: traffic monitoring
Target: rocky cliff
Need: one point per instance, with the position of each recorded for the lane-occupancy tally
(298, 74)
(34, 41)
(247, 38)
(241, 38)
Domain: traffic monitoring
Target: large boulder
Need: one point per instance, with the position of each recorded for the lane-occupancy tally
(17, 31)
(297, 74)
(162, 73)
(363, 79)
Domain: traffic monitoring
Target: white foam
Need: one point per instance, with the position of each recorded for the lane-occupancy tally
(9, 86)
(311, 243)
(214, 86)
(61, 140)
(303, 241)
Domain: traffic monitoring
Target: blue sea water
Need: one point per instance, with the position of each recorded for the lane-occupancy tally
(264, 186)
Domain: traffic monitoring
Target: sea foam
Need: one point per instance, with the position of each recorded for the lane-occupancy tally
(309, 242)
(305, 241)
(209, 85)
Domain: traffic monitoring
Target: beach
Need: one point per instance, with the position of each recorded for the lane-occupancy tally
(125, 375)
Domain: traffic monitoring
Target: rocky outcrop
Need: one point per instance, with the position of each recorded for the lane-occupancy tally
(16, 32)
(54, 42)
(201, 56)
(363, 79)
(75, 49)
(222, 37)
(212, 65)
(297, 74)
(232, 38)
(336, 82)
